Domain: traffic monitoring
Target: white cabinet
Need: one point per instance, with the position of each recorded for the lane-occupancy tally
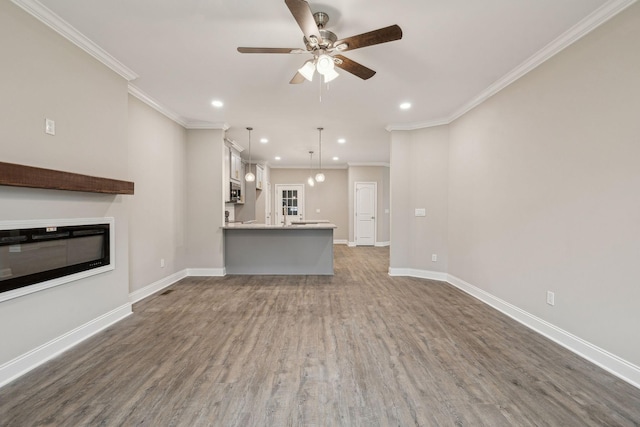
(226, 165)
(236, 167)
(243, 184)
(259, 177)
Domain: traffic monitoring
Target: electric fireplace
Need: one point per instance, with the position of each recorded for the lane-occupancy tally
(39, 254)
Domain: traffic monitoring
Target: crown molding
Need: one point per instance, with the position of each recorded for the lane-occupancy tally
(584, 27)
(133, 90)
(416, 126)
(206, 125)
(573, 34)
(233, 144)
(332, 167)
(383, 164)
(59, 25)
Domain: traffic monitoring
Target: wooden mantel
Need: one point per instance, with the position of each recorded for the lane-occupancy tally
(28, 176)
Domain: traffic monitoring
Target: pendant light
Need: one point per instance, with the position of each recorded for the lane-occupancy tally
(249, 177)
(320, 175)
(310, 180)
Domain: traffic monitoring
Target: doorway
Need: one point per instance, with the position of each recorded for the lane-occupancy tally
(365, 213)
(289, 203)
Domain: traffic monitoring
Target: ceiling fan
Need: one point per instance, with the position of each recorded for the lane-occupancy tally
(325, 45)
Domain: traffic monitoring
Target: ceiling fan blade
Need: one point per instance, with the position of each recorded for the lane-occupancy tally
(302, 13)
(382, 35)
(353, 67)
(270, 50)
(297, 79)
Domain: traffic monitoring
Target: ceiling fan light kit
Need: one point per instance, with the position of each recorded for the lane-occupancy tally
(308, 69)
(322, 44)
(330, 75)
(325, 63)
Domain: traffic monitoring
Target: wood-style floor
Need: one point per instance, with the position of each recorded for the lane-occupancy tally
(356, 349)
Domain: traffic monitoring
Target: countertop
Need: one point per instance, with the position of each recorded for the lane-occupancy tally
(301, 226)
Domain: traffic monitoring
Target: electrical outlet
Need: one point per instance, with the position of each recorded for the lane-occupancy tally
(421, 212)
(162, 262)
(434, 257)
(551, 298)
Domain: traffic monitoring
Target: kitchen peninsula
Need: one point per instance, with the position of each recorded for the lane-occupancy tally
(304, 248)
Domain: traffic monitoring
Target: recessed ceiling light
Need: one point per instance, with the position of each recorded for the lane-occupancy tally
(405, 105)
(336, 158)
(217, 103)
(264, 140)
(342, 140)
(278, 158)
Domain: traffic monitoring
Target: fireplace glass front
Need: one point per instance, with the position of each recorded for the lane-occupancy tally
(34, 255)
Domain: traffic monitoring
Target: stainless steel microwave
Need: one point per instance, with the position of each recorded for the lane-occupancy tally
(234, 193)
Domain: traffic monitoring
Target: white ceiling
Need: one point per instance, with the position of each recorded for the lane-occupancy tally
(184, 52)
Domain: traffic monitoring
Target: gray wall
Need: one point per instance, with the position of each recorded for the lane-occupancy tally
(544, 191)
(205, 210)
(541, 190)
(44, 76)
(420, 181)
(330, 196)
(157, 155)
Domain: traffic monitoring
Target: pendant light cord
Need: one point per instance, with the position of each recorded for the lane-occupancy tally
(320, 148)
(249, 129)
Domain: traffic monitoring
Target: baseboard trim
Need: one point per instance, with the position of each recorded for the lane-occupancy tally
(39, 355)
(594, 354)
(208, 272)
(611, 363)
(159, 285)
(340, 242)
(156, 286)
(421, 274)
(376, 244)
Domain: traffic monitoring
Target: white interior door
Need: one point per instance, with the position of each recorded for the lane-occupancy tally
(365, 210)
(289, 203)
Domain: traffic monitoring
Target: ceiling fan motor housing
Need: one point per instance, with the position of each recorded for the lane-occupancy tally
(321, 19)
(328, 37)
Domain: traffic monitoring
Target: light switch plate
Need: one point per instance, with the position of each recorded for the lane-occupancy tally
(49, 127)
(421, 212)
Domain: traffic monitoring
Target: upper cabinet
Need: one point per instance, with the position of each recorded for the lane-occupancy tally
(236, 174)
(259, 177)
